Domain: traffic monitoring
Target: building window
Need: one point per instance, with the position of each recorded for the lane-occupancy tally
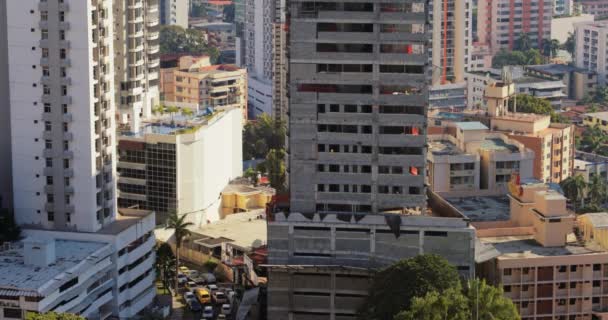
(50, 216)
(44, 34)
(506, 272)
(50, 198)
(12, 313)
(44, 15)
(507, 288)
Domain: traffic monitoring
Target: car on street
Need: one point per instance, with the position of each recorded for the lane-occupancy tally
(219, 297)
(209, 277)
(212, 288)
(208, 312)
(184, 269)
(181, 278)
(202, 295)
(192, 274)
(188, 296)
(191, 285)
(194, 306)
(226, 309)
(221, 317)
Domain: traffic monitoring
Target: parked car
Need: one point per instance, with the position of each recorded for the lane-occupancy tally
(192, 274)
(226, 309)
(221, 317)
(203, 295)
(191, 285)
(194, 306)
(188, 295)
(201, 282)
(184, 269)
(209, 277)
(181, 278)
(219, 297)
(208, 312)
(212, 288)
(231, 294)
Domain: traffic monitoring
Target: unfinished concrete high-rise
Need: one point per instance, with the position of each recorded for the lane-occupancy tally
(358, 97)
(358, 100)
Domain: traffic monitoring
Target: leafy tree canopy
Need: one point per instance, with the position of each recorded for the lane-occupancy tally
(175, 39)
(261, 135)
(394, 288)
(9, 231)
(53, 316)
(530, 104)
(517, 58)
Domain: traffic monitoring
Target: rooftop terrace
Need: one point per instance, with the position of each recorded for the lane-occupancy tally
(486, 208)
(444, 148)
(524, 246)
(175, 124)
(495, 144)
(15, 275)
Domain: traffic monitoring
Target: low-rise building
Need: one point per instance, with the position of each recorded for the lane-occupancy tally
(578, 82)
(590, 164)
(473, 160)
(196, 83)
(552, 143)
(548, 268)
(450, 96)
(95, 275)
(181, 164)
(599, 119)
(552, 89)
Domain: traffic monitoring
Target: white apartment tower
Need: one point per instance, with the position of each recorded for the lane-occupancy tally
(61, 75)
(591, 52)
(174, 12)
(62, 64)
(137, 59)
(258, 53)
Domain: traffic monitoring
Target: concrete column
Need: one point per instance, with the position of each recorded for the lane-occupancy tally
(459, 36)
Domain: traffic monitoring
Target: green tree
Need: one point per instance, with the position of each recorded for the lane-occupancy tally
(9, 230)
(187, 112)
(252, 175)
(165, 262)
(523, 43)
(172, 110)
(596, 190)
(487, 302)
(275, 167)
(52, 316)
(449, 304)
(574, 189)
(198, 11)
(229, 13)
(175, 39)
(530, 104)
(550, 47)
(570, 44)
(516, 58)
(394, 287)
(594, 140)
(180, 227)
(477, 300)
(261, 135)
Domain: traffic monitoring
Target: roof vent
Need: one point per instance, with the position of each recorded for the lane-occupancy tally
(39, 252)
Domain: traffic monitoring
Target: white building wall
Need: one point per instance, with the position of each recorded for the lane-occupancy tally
(259, 95)
(590, 54)
(206, 164)
(175, 12)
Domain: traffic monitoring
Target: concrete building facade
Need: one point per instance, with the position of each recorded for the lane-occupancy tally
(195, 83)
(549, 271)
(473, 160)
(501, 22)
(591, 51)
(137, 59)
(6, 181)
(343, 127)
(174, 12)
(552, 143)
(61, 75)
(181, 168)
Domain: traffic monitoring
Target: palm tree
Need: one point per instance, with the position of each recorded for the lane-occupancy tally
(159, 109)
(172, 110)
(550, 47)
(180, 226)
(187, 112)
(574, 189)
(570, 44)
(165, 262)
(596, 190)
(523, 43)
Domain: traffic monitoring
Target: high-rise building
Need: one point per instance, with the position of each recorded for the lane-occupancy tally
(591, 52)
(91, 259)
(174, 12)
(280, 65)
(500, 23)
(137, 59)
(357, 152)
(6, 182)
(258, 53)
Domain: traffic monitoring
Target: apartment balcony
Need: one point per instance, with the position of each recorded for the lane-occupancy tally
(43, 6)
(68, 173)
(49, 207)
(403, 140)
(401, 78)
(65, 62)
(44, 61)
(67, 154)
(45, 80)
(133, 181)
(153, 49)
(404, 36)
(344, 157)
(69, 190)
(401, 119)
(64, 7)
(137, 19)
(47, 135)
(461, 173)
(401, 17)
(399, 200)
(43, 24)
(67, 117)
(402, 58)
(49, 189)
(153, 9)
(154, 63)
(64, 25)
(343, 196)
(400, 159)
(343, 178)
(345, 15)
(339, 137)
(132, 196)
(135, 4)
(402, 99)
(43, 43)
(47, 153)
(346, 36)
(70, 208)
(152, 35)
(152, 21)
